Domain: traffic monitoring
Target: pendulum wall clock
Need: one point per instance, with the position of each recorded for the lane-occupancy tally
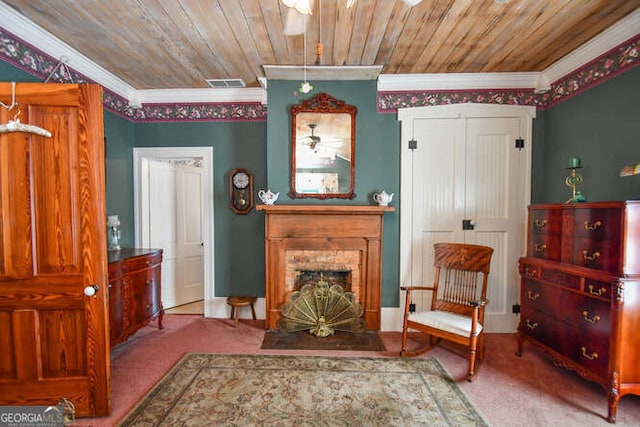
(241, 190)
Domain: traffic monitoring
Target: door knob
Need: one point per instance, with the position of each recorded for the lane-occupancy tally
(91, 290)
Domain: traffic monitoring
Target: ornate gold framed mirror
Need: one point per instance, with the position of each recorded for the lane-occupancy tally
(323, 135)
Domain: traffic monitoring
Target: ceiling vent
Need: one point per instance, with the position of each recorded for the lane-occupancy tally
(225, 83)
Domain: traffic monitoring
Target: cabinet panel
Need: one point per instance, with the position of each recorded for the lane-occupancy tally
(116, 314)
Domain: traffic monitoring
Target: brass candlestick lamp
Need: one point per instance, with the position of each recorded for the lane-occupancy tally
(573, 180)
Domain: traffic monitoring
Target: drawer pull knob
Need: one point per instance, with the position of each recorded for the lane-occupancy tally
(592, 356)
(597, 293)
(587, 257)
(532, 297)
(529, 272)
(540, 223)
(532, 326)
(539, 247)
(593, 319)
(592, 225)
(148, 282)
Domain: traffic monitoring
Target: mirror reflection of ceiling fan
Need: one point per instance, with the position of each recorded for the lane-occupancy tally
(334, 146)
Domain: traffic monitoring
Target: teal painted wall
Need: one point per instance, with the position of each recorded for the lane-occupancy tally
(119, 135)
(377, 158)
(239, 239)
(9, 73)
(602, 127)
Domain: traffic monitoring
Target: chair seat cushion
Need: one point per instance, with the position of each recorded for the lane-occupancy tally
(450, 322)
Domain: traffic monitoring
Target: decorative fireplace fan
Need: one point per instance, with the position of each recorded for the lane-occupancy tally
(321, 309)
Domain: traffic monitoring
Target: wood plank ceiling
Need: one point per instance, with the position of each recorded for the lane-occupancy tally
(154, 44)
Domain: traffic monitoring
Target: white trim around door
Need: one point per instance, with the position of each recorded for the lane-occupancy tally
(173, 153)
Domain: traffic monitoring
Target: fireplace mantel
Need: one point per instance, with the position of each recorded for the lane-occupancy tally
(324, 228)
(326, 210)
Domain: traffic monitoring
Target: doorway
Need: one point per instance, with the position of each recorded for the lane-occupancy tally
(173, 210)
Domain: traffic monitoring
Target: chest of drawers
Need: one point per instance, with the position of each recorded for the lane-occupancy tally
(580, 291)
(134, 291)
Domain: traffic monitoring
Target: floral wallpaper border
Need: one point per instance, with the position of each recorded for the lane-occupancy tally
(30, 59)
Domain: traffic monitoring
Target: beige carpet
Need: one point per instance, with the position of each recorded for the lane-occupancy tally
(216, 389)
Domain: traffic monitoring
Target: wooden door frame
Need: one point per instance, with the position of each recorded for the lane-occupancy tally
(406, 116)
(206, 153)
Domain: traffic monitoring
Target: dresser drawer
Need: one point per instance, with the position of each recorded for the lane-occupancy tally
(584, 349)
(544, 234)
(561, 278)
(544, 247)
(139, 263)
(592, 352)
(542, 298)
(597, 224)
(597, 254)
(578, 310)
(548, 331)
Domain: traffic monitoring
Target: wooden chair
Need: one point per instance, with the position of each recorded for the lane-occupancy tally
(457, 302)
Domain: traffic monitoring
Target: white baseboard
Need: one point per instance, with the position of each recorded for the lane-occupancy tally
(391, 316)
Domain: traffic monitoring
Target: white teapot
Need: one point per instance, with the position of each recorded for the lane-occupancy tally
(268, 197)
(383, 199)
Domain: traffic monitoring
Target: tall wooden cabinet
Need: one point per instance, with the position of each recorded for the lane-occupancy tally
(580, 292)
(134, 291)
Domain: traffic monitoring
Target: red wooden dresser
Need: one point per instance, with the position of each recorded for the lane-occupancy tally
(580, 291)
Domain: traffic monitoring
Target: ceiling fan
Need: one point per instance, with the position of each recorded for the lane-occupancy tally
(327, 147)
(315, 140)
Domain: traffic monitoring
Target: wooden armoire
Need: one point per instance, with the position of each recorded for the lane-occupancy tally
(54, 338)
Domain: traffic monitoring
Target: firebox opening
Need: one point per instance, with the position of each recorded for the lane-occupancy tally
(333, 277)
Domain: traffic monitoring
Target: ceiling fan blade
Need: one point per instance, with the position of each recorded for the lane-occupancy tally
(294, 22)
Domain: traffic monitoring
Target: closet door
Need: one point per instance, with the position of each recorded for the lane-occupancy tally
(465, 168)
(54, 338)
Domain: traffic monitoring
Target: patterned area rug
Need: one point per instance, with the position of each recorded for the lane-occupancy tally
(248, 390)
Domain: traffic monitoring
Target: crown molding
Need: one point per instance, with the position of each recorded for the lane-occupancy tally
(322, 72)
(457, 81)
(206, 95)
(624, 30)
(46, 42)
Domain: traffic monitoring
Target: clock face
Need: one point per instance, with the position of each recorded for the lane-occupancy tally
(241, 180)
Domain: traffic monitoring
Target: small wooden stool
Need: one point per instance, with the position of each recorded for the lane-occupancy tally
(236, 303)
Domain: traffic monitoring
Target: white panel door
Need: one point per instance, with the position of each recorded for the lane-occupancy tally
(466, 168)
(190, 233)
(494, 202)
(162, 229)
(438, 194)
